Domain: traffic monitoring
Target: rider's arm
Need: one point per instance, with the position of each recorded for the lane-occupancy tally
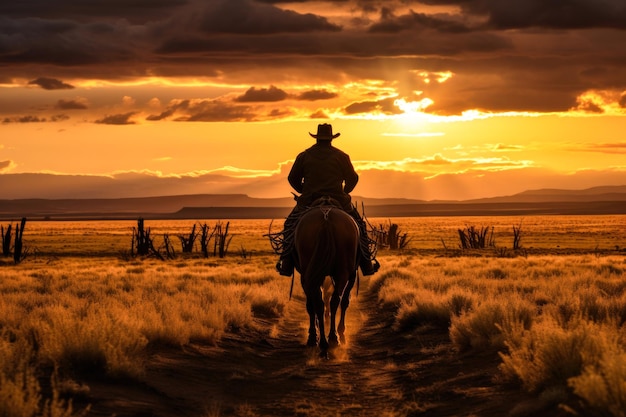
(296, 175)
(351, 178)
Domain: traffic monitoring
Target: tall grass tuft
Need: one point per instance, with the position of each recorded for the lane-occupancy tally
(427, 308)
(549, 355)
(92, 341)
(19, 388)
(603, 385)
(20, 392)
(485, 327)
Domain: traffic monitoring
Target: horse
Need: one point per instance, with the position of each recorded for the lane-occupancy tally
(326, 242)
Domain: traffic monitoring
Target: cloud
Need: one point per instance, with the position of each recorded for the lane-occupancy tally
(275, 42)
(163, 115)
(270, 94)
(503, 147)
(222, 110)
(313, 95)
(546, 14)
(217, 111)
(136, 11)
(229, 180)
(35, 119)
(384, 106)
(249, 17)
(72, 104)
(390, 23)
(609, 148)
(50, 84)
(589, 105)
(117, 119)
(6, 165)
(570, 15)
(59, 117)
(438, 165)
(319, 114)
(24, 119)
(68, 43)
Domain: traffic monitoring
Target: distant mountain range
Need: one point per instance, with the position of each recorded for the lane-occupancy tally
(597, 200)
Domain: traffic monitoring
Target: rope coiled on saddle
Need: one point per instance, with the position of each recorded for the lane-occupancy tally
(282, 242)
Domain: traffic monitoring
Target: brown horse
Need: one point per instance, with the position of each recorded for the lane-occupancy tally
(326, 244)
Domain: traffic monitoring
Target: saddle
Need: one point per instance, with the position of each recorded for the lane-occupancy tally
(325, 201)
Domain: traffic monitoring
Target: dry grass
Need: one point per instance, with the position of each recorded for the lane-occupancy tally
(88, 317)
(556, 321)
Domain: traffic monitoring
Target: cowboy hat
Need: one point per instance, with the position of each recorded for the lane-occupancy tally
(324, 132)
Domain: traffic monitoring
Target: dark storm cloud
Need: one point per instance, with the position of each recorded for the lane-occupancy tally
(250, 17)
(270, 94)
(5, 164)
(75, 104)
(285, 1)
(253, 41)
(117, 119)
(67, 43)
(390, 23)
(566, 14)
(189, 34)
(314, 95)
(50, 84)
(136, 11)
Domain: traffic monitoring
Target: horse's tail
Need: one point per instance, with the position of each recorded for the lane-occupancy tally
(324, 251)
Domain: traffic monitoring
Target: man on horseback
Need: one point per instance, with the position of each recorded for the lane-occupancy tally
(323, 170)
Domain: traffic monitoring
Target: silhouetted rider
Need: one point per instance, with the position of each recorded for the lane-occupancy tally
(323, 170)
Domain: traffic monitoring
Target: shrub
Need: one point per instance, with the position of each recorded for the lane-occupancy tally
(92, 341)
(414, 313)
(461, 302)
(548, 355)
(603, 385)
(20, 392)
(485, 326)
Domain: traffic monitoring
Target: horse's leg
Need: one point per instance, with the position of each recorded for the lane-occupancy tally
(328, 290)
(334, 304)
(319, 312)
(310, 308)
(345, 302)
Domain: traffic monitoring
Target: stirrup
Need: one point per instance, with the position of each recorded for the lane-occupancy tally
(284, 269)
(371, 267)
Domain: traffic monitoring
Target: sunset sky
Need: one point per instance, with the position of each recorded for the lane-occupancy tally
(434, 99)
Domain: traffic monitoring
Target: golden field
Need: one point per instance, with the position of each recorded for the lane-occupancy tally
(85, 329)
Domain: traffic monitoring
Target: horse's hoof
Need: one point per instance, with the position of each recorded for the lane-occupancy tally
(342, 339)
(324, 354)
(333, 343)
(312, 341)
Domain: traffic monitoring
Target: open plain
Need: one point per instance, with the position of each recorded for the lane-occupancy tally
(88, 329)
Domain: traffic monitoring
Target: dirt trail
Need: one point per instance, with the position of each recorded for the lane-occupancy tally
(272, 373)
